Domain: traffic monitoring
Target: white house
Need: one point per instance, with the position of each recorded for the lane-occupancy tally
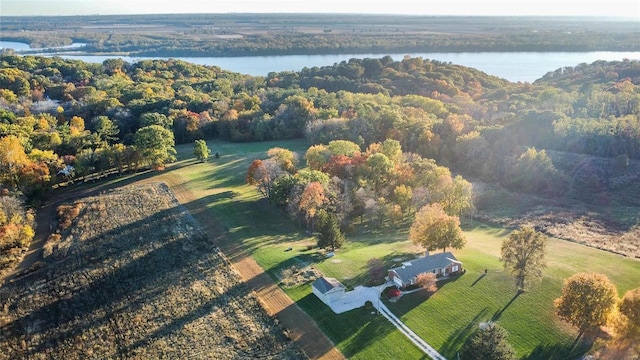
(328, 289)
(441, 264)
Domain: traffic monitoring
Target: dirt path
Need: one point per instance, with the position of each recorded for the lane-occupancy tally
(301, 328)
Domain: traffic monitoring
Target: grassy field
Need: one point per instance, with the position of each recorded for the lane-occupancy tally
(448, 317)
(444, 320)
(265, 233)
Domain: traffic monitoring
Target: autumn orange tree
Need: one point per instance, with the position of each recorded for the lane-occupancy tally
(16, 230)
(627, 323)
(427, 281)
(377, 271)
(434, 229)
(312, 199)
(587, 300)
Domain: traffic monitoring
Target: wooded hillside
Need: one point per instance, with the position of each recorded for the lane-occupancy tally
(571, 140)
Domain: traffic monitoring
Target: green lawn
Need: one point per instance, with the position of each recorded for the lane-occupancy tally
(256, 227)
(445, 319)
(448, 317)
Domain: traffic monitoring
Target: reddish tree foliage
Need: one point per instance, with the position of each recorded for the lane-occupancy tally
(339, 165)
(427, 281)
(253, 171)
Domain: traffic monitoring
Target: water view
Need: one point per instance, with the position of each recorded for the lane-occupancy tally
(513, 66)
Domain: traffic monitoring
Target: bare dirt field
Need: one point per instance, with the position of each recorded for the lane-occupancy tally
(133, 275)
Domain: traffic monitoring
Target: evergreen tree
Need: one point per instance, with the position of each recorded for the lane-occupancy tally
(329, 233)
(488, 343)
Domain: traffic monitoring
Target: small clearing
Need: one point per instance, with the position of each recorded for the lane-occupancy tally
(130, 274)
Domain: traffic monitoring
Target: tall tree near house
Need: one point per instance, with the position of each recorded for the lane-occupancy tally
(434, 229)
(377, 271)
(329, 234)
(402, 195)
(200, 150)
(378, 166)
(586, 302)
(523, 254)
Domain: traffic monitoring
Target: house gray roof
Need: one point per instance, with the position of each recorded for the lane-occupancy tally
(325, 284)
(413, 268)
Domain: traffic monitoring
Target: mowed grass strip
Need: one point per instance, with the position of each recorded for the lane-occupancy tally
(444, 320)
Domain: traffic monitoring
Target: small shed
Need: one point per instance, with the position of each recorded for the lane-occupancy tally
(441, 264)
(328, 289)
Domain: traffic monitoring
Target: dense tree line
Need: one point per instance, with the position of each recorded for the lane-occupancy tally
(381, 187)
(91, 116)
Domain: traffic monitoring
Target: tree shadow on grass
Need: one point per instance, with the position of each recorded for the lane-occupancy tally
(499, 313)
(454, 342)
(563, 351)
(478, 279)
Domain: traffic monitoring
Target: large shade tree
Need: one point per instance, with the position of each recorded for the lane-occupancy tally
(201, 150)
(156, 145)
(434, 229)
(523, 254)
(587, 300)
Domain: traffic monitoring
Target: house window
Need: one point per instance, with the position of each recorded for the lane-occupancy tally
(454, 268)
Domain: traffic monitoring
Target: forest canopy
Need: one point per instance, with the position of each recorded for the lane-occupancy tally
(373, 123)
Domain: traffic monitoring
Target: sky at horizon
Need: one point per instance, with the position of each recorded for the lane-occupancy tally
(598, 8)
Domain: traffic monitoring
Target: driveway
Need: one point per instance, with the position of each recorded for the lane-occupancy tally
(358, 297)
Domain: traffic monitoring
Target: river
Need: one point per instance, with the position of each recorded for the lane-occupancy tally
(513, 66)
